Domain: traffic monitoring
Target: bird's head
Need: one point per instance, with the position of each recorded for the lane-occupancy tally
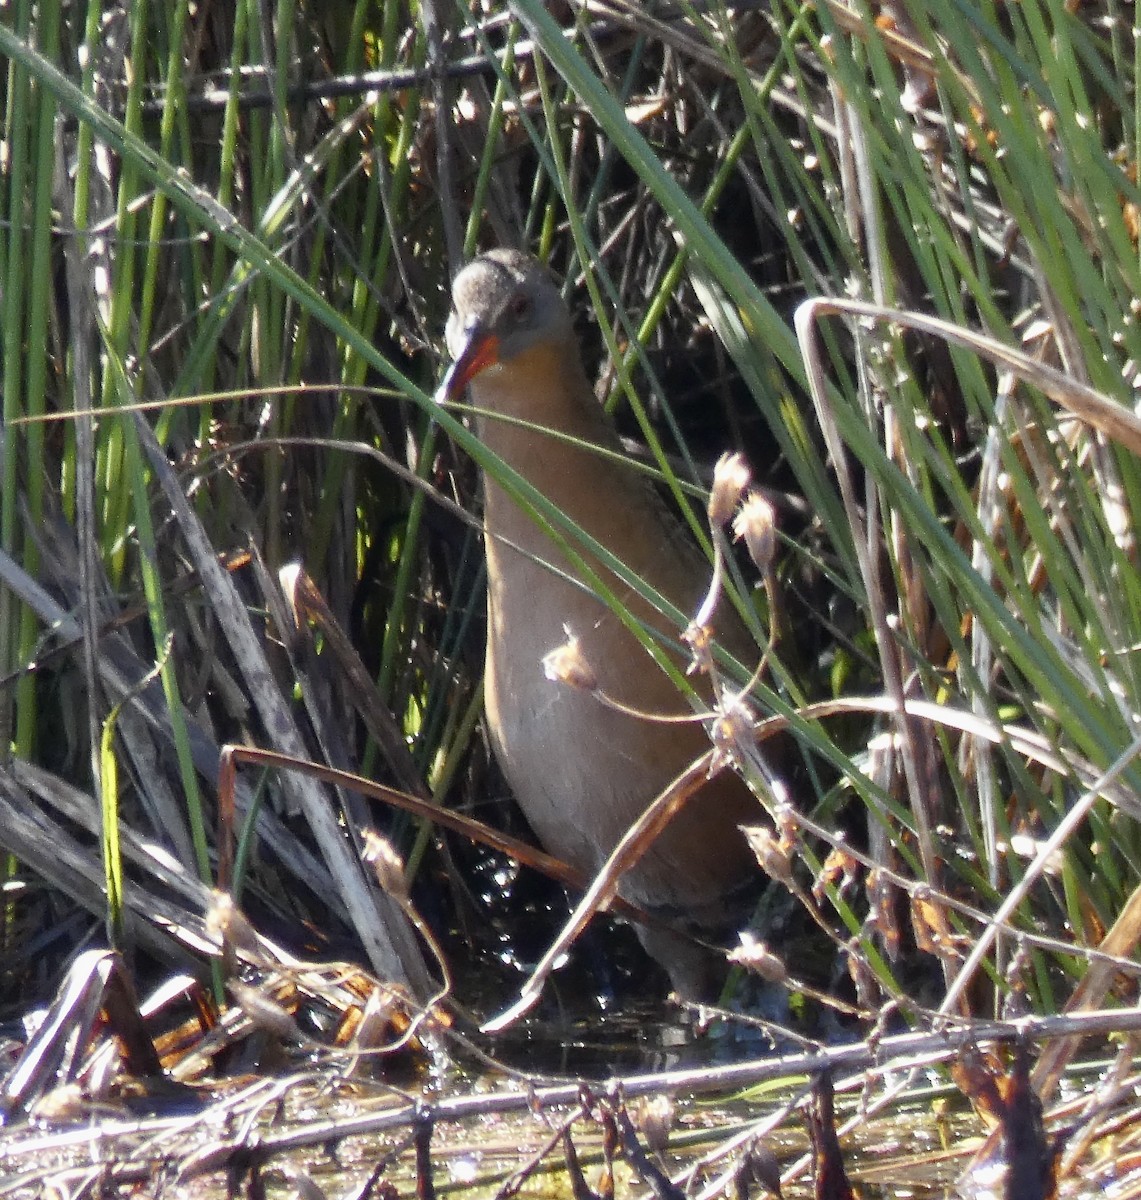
(504, 303)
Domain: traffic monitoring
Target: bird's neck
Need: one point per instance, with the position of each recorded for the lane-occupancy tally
(545, 387)
(541, 399)
(606, 498)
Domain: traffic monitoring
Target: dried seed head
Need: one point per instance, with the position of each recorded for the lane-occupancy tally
(731, 732)
(756, 523)
(759, 958)
(265, 1014)
(699, 639)
(773, 857)
(225, 922)
(567, 664)
(730, 479)
(387, 865)
(64, 1103)
(653, 1116)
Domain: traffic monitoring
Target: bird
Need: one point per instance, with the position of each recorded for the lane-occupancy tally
(580, 771)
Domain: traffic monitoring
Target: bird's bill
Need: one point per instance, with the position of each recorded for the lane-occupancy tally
(481, 350)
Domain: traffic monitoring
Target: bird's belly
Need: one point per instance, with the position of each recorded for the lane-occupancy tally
(583, 773)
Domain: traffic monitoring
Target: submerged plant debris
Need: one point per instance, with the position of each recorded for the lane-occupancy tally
(240, 1097)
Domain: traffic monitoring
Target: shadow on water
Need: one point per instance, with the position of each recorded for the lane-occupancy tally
(606, 1012)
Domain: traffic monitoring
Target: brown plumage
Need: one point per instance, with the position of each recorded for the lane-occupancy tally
(581, 772)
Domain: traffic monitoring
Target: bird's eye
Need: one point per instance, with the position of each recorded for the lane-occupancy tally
(520, 306)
